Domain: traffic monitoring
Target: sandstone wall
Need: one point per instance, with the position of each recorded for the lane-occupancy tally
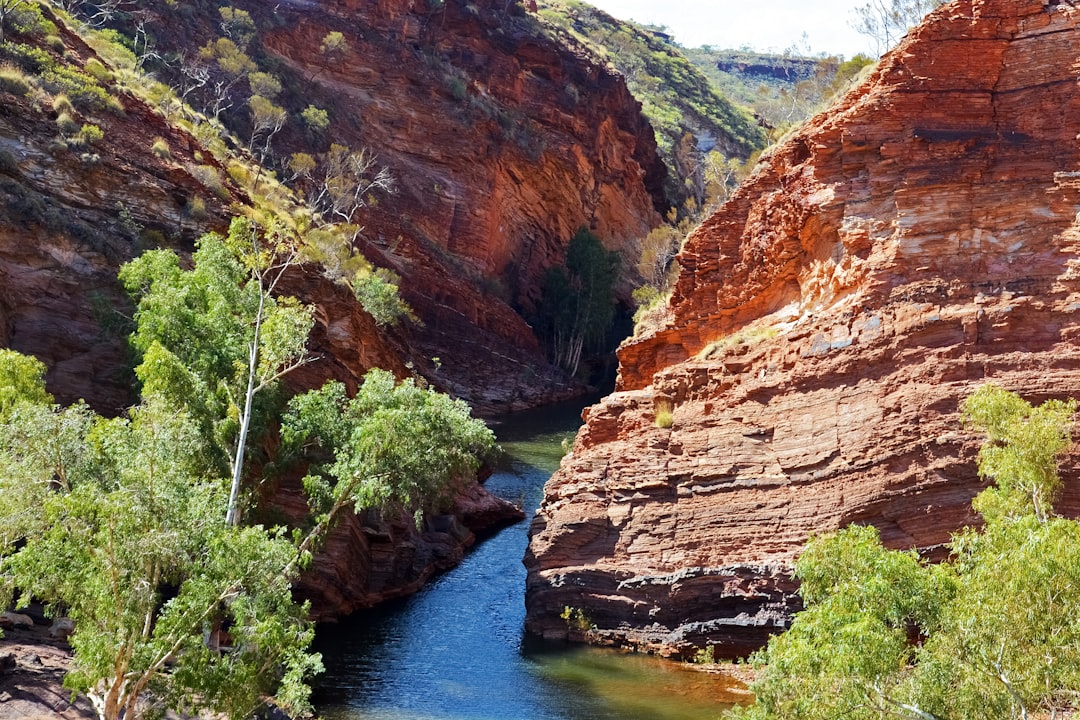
(503, 143)
(915, 241)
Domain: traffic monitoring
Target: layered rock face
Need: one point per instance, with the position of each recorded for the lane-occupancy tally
(503, 143)
(914, 242)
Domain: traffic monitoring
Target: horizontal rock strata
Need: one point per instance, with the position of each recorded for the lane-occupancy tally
(910, 244)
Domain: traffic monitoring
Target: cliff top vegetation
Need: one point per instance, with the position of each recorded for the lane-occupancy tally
(676, 97)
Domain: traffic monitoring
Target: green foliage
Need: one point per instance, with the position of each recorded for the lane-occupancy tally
(315, 119)
(334, 47)
(62, 104)
(393, 446)
(161, 148)
(264, 84)
(783, 90)
(23, 17)
(14, 80)
(267, 119)
(121, 527)
(993, 634)
(237, 25)
(99, 72)
(1021, 451)
(59, 77)
(196, 328)
(90, 134)
(577, 620)
(377, 293)
(22, 380)
(209, 176)
(128, 526)
(577, 308)
(67, 124)
(196, 208)
(705, 656)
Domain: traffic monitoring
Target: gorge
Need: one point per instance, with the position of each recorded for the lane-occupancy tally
(912, 242)
(491, 181)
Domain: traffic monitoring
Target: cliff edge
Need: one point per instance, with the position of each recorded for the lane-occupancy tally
(915, 241)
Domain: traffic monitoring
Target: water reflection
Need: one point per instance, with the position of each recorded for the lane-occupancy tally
(456, 650)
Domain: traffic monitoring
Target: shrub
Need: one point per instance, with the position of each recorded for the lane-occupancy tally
(241, 175)
(8, 164)
(315, 119)
(67, 123)
(577, 619)
(14, 80)
(31, 59)
(196, 208)
(56, 43)
(705, 656)
(26, 19)
(90, 133)
(457, 88)
(209, 177)
(99, 72)
(663, 411)
(378, 295)
(161, 148)
(61, 104)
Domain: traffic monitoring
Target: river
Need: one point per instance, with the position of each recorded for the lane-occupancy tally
(457, 650)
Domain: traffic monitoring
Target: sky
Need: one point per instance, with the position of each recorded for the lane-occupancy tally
(763, 25)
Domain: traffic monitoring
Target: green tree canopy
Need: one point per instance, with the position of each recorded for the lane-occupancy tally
(22, 379)
(995, 633)
(393, 445)
(118, 523)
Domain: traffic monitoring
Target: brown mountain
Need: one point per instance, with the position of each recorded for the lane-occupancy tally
(917, 240)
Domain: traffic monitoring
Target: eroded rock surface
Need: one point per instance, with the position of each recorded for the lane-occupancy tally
(910, 244)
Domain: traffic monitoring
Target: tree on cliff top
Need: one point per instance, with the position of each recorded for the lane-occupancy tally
(886, 21)
(995, 633)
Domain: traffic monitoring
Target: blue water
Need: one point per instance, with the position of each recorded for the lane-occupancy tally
(457, 649)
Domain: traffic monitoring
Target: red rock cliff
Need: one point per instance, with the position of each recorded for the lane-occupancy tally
(503, 144)
(908, 245)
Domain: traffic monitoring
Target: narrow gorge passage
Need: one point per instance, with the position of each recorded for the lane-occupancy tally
(457, 649)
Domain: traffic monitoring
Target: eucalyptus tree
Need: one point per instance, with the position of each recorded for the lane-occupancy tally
(120, 524)
(994, 633)
(132, 526)
(577, 307)
(213, 339)
(886, 21)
